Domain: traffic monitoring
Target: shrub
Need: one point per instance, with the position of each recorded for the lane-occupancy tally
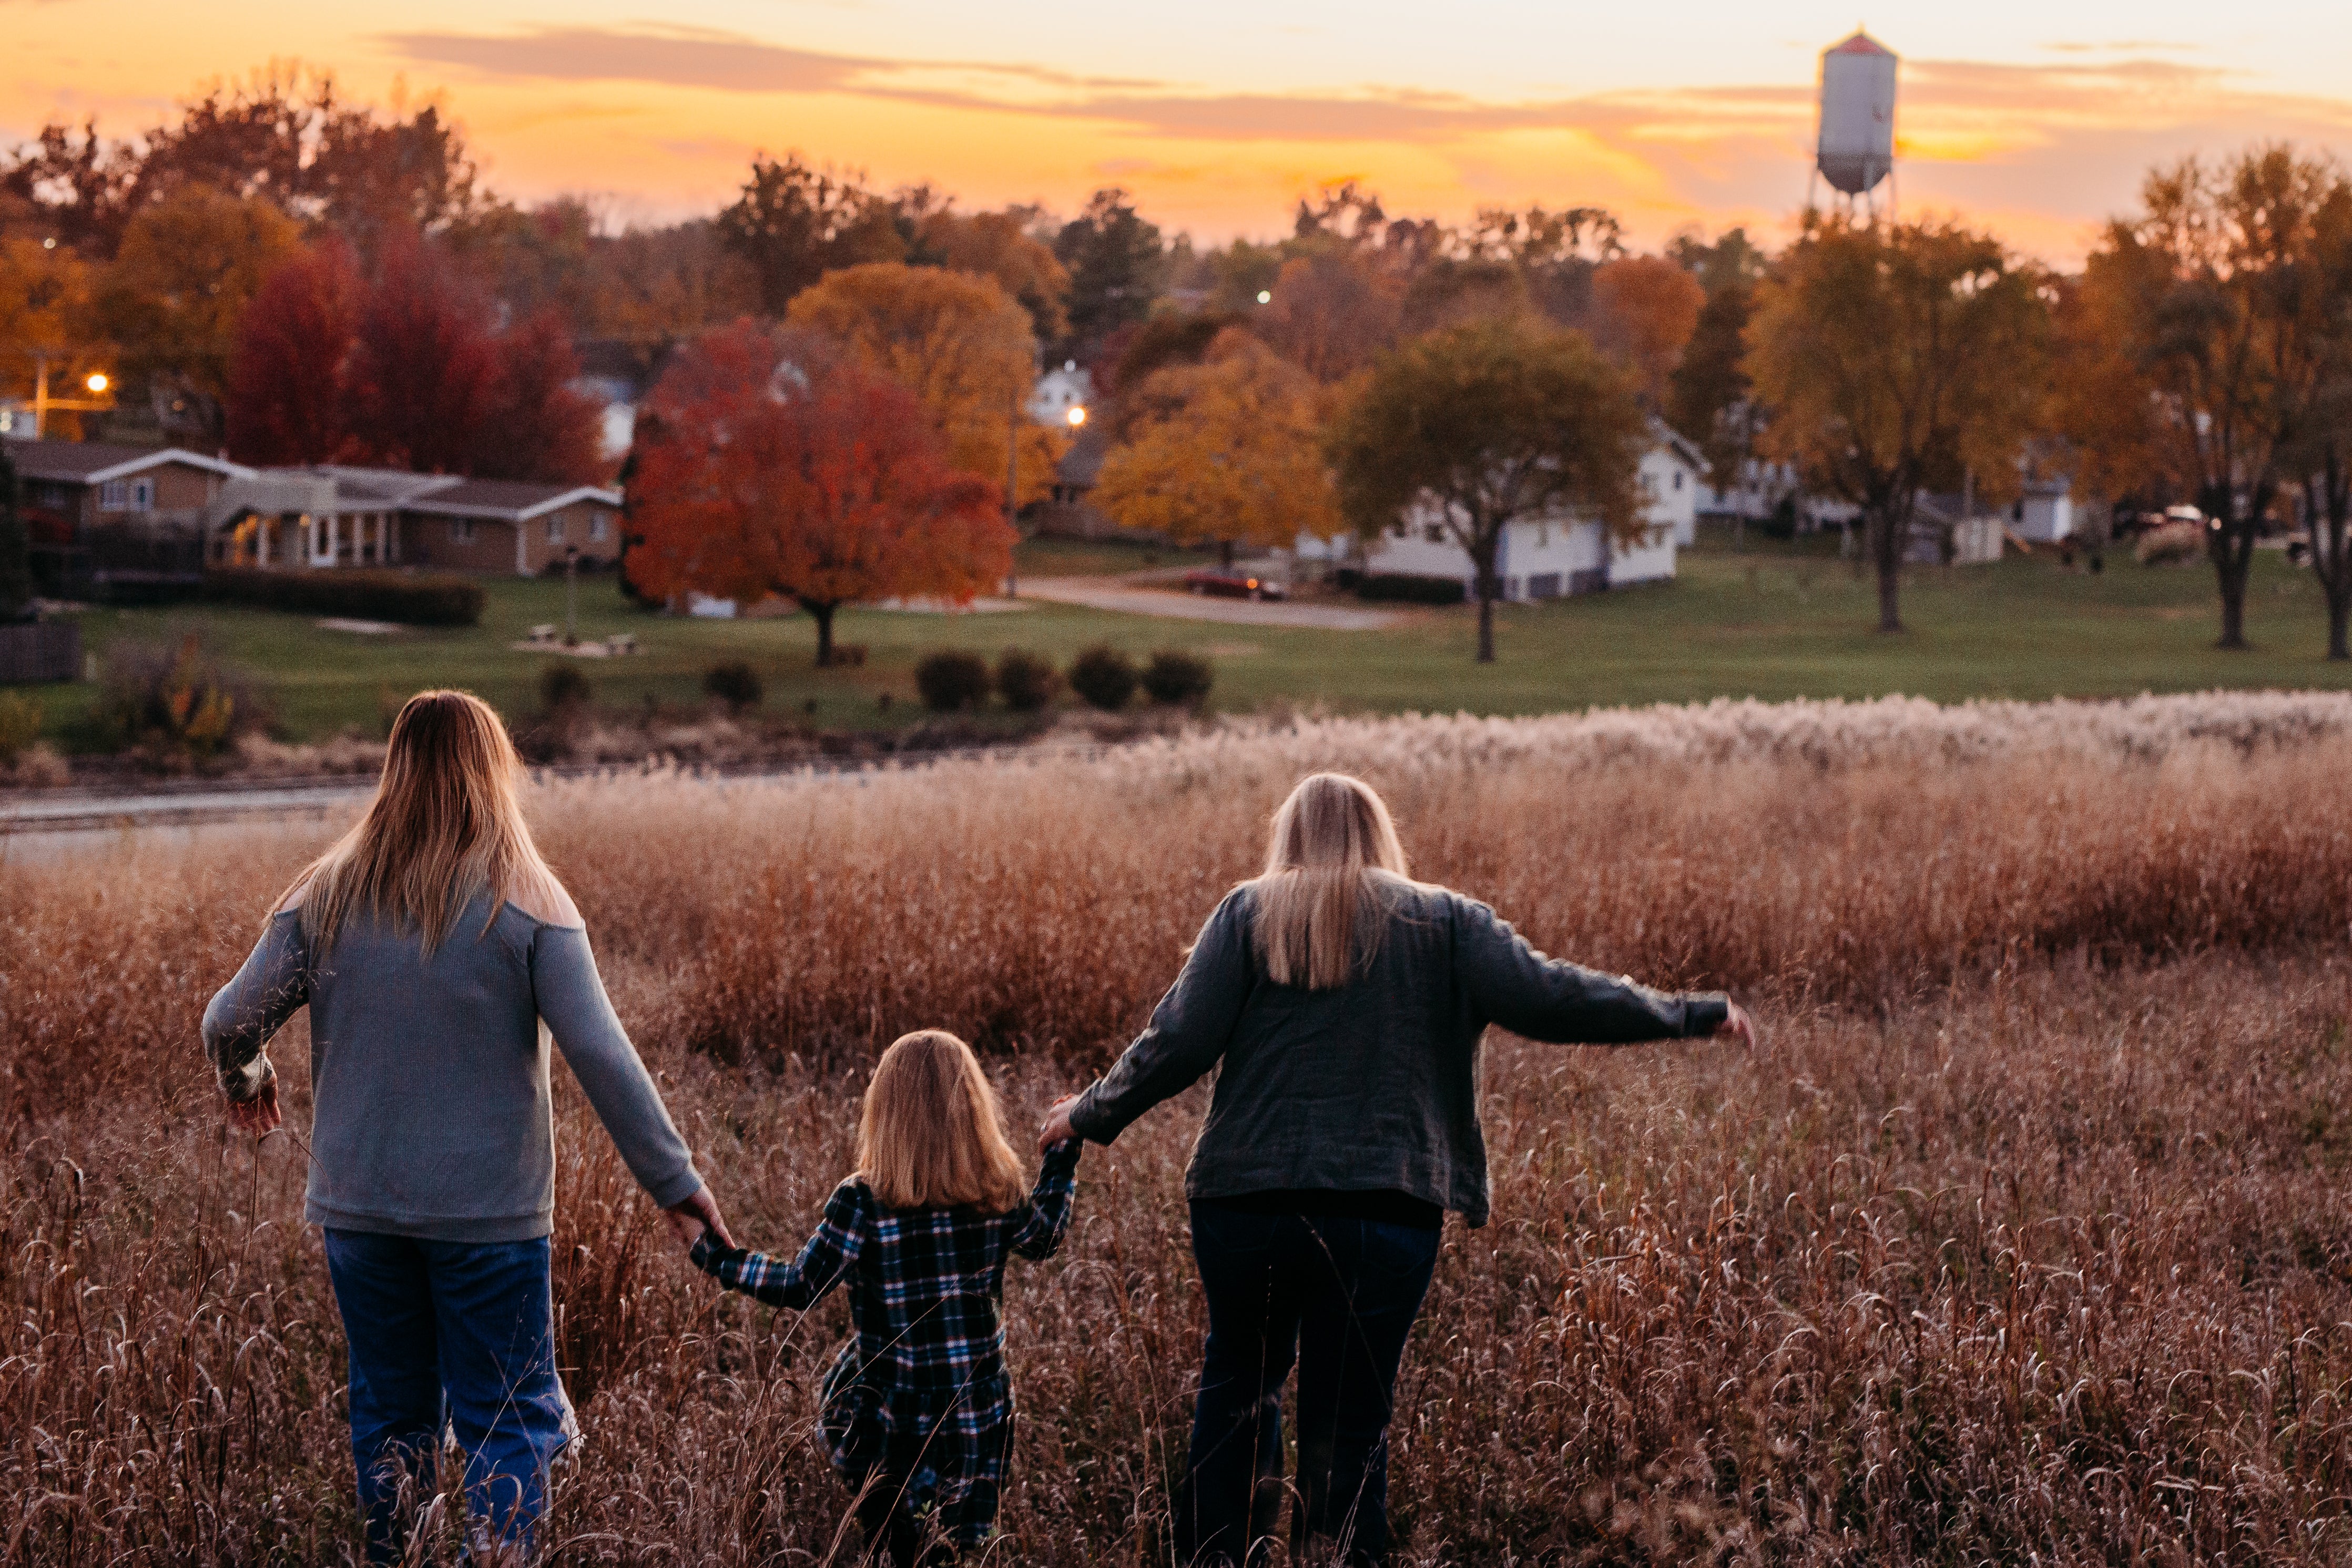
(736, 684)
(1403, 588)
(952, 680)
(1103, 677)
(1025, 680)
(1174, 675)
(562, 688)
(2170, 542)
(175, 703)
(415, 601)
(20, 724)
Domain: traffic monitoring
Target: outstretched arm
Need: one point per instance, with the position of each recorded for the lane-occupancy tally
(1188, 1033)
(802, 1283)
(1049, 1202)
(1547, 999)
(571, 998)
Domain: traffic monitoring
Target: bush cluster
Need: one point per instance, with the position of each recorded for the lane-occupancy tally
(173, 702)
(1103, 677)
(1176, 677)
(1403, 588)
(415, 601)
(564, 690)
(736, 684)
(950, 680)
(1026, 681)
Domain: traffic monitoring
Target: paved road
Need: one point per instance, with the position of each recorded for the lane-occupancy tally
(1125, 597)
(104, 811)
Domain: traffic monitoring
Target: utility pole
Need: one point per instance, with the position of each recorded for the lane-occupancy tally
(570, 595)
(1012, 489)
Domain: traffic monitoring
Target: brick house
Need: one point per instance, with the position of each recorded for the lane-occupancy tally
(103, 516)
(335, 516)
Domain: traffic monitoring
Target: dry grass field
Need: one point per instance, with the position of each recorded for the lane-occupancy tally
(2025, 1238)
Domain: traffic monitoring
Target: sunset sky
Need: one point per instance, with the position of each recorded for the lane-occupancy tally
(2037, 118)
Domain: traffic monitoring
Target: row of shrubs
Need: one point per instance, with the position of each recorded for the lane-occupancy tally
(408, 599)
(1400, 587)
(1101, 677)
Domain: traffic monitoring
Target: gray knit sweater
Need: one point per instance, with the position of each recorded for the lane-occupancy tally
(1371, 1086)
(431, 1113)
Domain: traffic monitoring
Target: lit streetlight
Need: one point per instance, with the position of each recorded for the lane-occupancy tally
(96, 382)
(1076, 415)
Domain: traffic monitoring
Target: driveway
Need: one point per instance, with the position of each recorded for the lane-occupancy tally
(1127, 598)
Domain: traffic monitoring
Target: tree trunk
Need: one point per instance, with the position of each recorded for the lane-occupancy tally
(1887, 532)
(1486, 620)
(823, 615)
(2231, 548)
(2339, 611)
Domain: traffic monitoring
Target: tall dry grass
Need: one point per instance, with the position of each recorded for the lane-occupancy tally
(2026, 1240)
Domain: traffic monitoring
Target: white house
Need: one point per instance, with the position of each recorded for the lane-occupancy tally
(1059, 390)
(2045, 512)
(1558, 552)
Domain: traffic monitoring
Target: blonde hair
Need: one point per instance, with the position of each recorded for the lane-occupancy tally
(446, 823)
(1316, 911)
(932, 1134)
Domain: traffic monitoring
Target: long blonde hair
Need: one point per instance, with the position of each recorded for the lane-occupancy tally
(1316, 911)
(932, 1134)
(445, 823)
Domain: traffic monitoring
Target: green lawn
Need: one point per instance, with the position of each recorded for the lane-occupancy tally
(1775, 621)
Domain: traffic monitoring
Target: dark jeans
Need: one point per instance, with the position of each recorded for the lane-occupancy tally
(1338, 1297)
(454, 1333)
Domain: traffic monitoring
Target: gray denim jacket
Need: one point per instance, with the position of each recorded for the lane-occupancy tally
(1374, 1085)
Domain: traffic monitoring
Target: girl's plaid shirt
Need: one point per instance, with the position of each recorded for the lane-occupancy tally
(926, 1291)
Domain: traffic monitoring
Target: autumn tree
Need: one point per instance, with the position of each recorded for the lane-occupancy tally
(1645, 309)
(1334, 307)
(961, 343)
(178, 289)
(1115, 259)
(1225, 451)
(653, 286)
(421, 379)
(286, 402)
(1708, 395)
(45, 316)
(998, 244)
(536, 426)
(780, 464)
(2222, 293)
(1476, 426)
(1895, 358)
(794, 223)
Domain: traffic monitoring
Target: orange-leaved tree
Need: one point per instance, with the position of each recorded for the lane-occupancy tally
(961, 343)
(1222, 452)
(784, 467)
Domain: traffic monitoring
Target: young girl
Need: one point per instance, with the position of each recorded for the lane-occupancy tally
(917, 1409)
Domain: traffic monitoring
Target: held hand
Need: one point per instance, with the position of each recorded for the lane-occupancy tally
(1058, 1128)
(260, 1115)
(699, 1212)
(1738, 1026)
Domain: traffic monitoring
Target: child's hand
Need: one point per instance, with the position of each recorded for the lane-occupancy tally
(1058, 1128)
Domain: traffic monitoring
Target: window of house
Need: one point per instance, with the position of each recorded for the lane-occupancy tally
(555, 529)
(142, 495)
(1433, 532)
(1678, 478)
(1543, 536)
(113, 495)
(597, 524)
(461, 530)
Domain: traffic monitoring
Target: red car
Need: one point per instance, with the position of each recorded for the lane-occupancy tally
(1232, 585)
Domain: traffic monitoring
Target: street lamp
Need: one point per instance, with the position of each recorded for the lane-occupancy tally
(96, 382)
(98, 402)
(1076, 415)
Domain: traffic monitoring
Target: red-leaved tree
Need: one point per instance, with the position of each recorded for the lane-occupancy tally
(286, 376)
(406, 371)
(421, 378)
(783, 467)
(537, 427)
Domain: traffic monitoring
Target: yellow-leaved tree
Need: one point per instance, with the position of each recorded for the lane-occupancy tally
(1227, 451)
(961, 344)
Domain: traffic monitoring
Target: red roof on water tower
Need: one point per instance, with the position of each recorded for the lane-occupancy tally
(1862, 43)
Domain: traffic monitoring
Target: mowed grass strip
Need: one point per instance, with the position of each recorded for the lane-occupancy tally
(1772, 621)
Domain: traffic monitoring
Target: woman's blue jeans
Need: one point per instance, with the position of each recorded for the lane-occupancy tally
(1338, 1297)
(461, 1333)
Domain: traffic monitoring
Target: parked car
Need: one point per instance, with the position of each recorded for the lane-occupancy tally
(1226, 584)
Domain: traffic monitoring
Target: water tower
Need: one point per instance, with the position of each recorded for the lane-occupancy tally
(1856, 151)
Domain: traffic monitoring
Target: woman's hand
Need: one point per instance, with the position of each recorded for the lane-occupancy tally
(1737, 1025)
(697, 1213)
(260, 1115)
(1058, 1128)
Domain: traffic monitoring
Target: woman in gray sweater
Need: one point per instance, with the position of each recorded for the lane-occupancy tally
(1341, 1006)
(429, 942)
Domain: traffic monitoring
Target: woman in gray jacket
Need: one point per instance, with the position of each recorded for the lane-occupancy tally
(1341, 1006)
(429, 942)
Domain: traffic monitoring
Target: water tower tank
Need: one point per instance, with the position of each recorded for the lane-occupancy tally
(1858, 145)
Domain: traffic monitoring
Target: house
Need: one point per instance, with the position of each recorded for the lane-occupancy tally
(1949, 530)
(1559, 552)
(105, 518)
(2045, 513)
(335, 515)
(1059, 391)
